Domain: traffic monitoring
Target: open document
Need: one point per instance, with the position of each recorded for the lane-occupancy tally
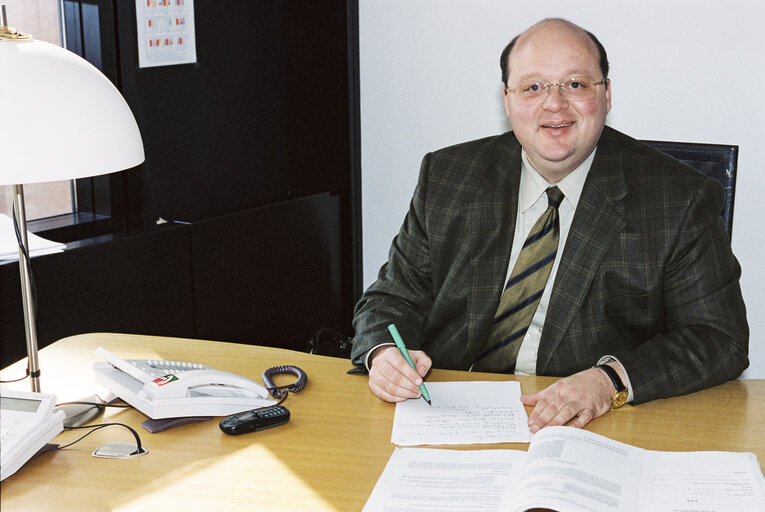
(572, 470)
(471, 412)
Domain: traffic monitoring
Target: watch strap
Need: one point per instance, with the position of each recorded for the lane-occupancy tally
(618, 384)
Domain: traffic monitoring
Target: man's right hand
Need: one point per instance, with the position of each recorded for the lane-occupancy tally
(390, 376)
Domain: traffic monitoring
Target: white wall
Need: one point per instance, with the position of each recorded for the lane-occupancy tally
(683, 70)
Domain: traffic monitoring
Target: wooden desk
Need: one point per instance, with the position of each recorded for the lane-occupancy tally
(327, 458)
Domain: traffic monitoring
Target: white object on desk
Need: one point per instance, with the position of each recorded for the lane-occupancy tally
(463, 413)
(569, 469)
(172, 389)
(27, 423)
(9, 246)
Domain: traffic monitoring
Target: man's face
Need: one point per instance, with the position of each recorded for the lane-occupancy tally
(557, 133)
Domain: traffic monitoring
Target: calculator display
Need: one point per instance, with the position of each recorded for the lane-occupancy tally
(19, 404)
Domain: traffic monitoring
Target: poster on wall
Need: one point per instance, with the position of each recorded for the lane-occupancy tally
(165, 32)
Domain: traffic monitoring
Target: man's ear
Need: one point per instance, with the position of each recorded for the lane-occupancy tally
(608, 96)
(506, 101)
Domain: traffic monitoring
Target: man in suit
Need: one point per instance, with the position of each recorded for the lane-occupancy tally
(643, 280)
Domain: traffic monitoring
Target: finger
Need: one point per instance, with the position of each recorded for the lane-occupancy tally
(391, 363)
(583, 419)
(567, 412)
(421, 362)
(542, 414)
(389, 393)
(554, 405)
(391, 380)
(395, 379)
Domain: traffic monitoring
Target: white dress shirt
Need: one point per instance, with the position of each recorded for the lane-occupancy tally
(532, 203)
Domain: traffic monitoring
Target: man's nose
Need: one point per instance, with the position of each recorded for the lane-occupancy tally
(555, 99)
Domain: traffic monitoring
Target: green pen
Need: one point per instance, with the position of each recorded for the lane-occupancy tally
(405, 353)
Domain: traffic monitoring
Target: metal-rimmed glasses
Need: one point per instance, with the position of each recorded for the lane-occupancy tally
(573, 89)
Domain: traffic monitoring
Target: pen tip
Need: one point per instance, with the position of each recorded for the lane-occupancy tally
(428, 402)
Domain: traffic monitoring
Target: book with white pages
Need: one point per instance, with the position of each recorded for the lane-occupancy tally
(572, 470)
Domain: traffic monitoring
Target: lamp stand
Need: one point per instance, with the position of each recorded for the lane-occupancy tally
(78, 413)
(58, 89)
(26, 287)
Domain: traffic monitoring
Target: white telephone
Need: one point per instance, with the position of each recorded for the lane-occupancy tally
(27, 423)
(171, 389)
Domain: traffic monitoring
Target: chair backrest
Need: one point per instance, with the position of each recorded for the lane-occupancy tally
(715, 160)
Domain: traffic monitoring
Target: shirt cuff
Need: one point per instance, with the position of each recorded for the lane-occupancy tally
(369, 353)
(608, 359)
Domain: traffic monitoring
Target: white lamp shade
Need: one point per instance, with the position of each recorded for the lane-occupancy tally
(60, 118)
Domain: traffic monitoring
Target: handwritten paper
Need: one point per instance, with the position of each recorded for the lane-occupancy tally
(9, 246)
(474, 412)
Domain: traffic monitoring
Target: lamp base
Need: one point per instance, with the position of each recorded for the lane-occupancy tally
(79, 414)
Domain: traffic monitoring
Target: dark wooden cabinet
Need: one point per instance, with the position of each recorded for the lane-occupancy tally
(255, 148)
(267, 276)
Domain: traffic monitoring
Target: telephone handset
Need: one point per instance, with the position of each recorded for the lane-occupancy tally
(27, 422)
(171, 389)
(209, 381)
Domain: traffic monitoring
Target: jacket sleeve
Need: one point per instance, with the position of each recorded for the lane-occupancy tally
(705, 342)
(402, 293)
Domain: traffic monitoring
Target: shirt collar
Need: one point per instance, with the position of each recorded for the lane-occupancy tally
(533, 185)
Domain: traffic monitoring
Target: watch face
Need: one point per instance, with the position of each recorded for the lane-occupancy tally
(619, 399)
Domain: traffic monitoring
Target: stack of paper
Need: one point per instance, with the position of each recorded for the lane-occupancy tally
(572, 470)
(564, 469)
(9, 246)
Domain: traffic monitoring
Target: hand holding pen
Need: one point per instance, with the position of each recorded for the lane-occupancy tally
(392, 378)
(402, 348)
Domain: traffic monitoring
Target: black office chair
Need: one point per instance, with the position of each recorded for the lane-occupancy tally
(715, 160)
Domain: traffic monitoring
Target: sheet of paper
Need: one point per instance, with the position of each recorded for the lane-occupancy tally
(434, 480)
(575, 470)
(9, 246)
(471, 412)
(165, 32)
(700, 481)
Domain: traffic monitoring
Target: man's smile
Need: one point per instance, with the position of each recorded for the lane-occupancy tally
(559, 125)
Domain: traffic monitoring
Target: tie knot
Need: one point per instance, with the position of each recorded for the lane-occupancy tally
(554, 197)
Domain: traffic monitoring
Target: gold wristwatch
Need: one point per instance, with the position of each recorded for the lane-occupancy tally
(621, 393)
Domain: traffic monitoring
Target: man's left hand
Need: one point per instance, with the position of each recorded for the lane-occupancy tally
(580, 398)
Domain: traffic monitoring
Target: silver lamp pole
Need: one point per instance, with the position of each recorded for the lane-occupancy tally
(26, 286)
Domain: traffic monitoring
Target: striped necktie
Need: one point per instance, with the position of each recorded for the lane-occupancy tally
(523, 291)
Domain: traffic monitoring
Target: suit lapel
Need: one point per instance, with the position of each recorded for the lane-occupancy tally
(597, 222)
(491, 223)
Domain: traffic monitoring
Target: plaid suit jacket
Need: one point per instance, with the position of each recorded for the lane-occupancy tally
(647, 273)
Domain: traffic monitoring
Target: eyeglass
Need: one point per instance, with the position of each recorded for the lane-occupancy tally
(574, 89)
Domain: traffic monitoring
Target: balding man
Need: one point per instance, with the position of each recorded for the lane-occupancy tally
(560, 248)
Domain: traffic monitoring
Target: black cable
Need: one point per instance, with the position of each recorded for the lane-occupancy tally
(284, 397)
(102, 404)
(32, 283)
(276, 391)
(139, 450)
(25, 253)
